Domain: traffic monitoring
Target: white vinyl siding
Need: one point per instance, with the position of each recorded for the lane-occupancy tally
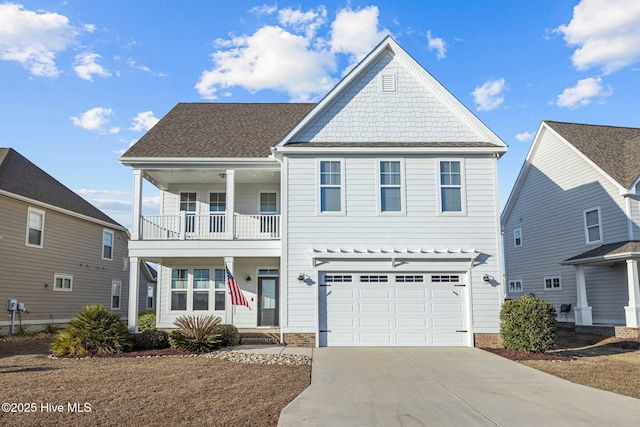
(592, 225)
(107, 245)
(63, 282)
(35, 227)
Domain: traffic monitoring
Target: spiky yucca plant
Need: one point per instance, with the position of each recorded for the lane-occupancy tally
(95, 330)
(196, 333)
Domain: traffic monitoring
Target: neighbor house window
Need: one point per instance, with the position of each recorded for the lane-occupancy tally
(450, 186)
(150, 296)
(188, 205)
(552, 283)
(179, 286)
(201, 285)
(592, 225)
(220, 286)
(390, 186)
(217, 208)
(116, 290)
(517, 237)
(107, 244)
(330, 186)
(515, 286)
(62, 282)
(35, 227)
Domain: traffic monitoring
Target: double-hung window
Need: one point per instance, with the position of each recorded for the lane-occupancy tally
(220, 286)
(179, 289)
(592, 225)
(188, 205)
(268, 210)
(517, 237)
(201, 286)
(217, 209)
(116, 291)
(450, 186)
(390, 186)
(35, 227)
(330, 186)
(107, 244)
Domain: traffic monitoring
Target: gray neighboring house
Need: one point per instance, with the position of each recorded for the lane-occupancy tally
(58, 253)
(147, 296)
(572, 225)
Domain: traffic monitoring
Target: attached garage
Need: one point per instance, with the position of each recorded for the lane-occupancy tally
(393, 309)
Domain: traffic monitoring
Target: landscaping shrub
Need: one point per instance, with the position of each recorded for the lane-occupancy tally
(151, 339)
(147, 320)
(50, 328)
(196, 333)
(95, 330)
(528, 324)
(229, 335)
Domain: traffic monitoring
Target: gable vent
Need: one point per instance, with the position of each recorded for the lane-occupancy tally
(388, 82)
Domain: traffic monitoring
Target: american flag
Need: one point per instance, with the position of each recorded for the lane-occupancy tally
(237, 297)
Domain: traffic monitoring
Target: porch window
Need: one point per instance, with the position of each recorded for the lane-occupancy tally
(201, 286)
(35, 227)
(116, 290)
(330, 186)
(592, 225)
(107, 244)
(450, 186)
(217, 207)
(188, 205)
(268, 206)
(179, 285)
(390, 186)
(553, 283)
(220, 287)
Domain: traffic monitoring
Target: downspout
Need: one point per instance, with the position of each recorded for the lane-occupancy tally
(629, 218)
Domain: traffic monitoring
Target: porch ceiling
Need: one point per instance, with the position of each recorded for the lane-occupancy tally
(163, 178)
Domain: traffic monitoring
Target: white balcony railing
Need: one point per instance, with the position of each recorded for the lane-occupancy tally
(209, 227)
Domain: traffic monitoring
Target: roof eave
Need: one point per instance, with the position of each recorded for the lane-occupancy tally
(194, 161)
(302, 149)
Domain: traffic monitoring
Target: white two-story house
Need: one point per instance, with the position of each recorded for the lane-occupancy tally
(368, 219)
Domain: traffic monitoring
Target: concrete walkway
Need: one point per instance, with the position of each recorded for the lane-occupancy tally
(445, 387)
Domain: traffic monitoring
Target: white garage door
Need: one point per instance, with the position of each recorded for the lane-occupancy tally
(385, 309)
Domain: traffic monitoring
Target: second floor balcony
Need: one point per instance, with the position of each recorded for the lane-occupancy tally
(210, 227)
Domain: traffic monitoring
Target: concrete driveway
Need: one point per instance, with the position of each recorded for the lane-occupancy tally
(445, 387)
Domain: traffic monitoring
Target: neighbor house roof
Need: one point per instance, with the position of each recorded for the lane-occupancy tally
(609, 252)
(222, 130)
(616, 150)
(20, 177)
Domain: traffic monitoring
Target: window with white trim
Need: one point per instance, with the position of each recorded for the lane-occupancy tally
(517, 237)
(35, 227)
(220, 289)
(390, 186)
(150, 297)
(450, 186)
(179, 289)
(188, 204)
(107, 244)
(63, 282)
(515, 286)
(592, 225)
(201, 286)
(116, 292)
(552, 283)
(330, 186)
(217, 209)
(268, 210)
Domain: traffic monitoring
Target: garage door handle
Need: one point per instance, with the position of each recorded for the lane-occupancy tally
(328, 293)
(460, 331)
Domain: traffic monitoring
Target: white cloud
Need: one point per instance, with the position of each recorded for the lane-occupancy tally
(34, 38)
(489, 96)
(86, 66)
(144, 121)
(121, 151)
(293, 60)
(93, 119)
(607, 33)
(582, 93)
(114, 130)
(133, 64)
(108, 193)
(355, 32)
(524, 136)
(437, 44)
(264, 10)
(89, 28)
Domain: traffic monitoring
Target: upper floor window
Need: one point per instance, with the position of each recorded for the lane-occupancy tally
(268, 203)
(62, 282)
(107, 244)
(592, 225)
(517, 237)
(390, 186)
(450, 186)
(217, 202)
(188, 205)
(330, 186)
(35, 227)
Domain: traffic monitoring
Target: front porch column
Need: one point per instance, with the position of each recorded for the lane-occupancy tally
(231, 203)
(632, 311)
(582, 311)
(134, 284)
(228, 312)
(137, 204)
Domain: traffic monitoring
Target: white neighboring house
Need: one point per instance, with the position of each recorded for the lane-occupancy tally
(368, 219)
(572, 222)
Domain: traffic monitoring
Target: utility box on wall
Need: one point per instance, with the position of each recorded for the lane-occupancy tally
(12, 304)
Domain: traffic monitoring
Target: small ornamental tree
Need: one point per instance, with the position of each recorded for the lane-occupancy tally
(528, 324)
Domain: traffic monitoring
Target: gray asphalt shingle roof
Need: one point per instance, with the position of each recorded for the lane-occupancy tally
(21, 177)
(222, 130)
(610, 249)
(616, 150)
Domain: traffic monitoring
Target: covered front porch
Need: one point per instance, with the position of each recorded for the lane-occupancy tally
(608, 256)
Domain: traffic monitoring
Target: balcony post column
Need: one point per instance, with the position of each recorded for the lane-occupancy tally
(137, 205)
(231, 203)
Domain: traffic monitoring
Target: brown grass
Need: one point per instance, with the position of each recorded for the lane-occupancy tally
(607, 363)
(144, 391)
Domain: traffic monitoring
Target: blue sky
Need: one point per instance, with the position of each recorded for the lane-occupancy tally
(82, 80)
